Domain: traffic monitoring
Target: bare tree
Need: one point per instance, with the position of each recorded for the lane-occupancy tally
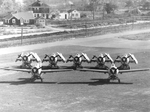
(7, 6)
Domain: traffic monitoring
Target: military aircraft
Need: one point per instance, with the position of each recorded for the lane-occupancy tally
(125, 61)
(36, 57)
(37, 71)
(113, 71)
(26, 59)
(54, 59)
(78, 59)
(101, 60)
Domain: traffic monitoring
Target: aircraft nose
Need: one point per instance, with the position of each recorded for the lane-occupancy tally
(113, 70)
(52, 58)
(24, 58)
(34, 70)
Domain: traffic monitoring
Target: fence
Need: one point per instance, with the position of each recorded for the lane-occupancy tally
(84, 32)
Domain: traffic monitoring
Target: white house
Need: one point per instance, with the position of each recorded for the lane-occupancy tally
(74, 14)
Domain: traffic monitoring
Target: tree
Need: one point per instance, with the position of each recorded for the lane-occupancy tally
(146, 5)
(109, 7)
(129, 4)
(7, 6)
(93, 6)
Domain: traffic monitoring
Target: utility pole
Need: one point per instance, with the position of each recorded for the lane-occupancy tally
(93, 9)
(71, 5)
(21, 23)
(103, 6)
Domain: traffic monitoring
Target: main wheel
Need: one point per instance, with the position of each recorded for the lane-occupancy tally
(32, 79)
(41, 80)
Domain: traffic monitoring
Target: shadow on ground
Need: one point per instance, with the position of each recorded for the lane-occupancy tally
(93, 82)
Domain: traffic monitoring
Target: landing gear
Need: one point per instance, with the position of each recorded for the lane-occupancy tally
(53, 66)
(75, 66)
(41, 79)
(33, 78)
(118, 80)
(113, 77)
(102, 67)
(124, 67)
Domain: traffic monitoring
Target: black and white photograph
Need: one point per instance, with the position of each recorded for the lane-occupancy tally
(75, 55)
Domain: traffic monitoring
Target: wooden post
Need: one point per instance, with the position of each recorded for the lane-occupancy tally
(21, 23)
(21, 34)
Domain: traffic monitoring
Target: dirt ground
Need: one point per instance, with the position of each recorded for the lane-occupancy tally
(77, 91)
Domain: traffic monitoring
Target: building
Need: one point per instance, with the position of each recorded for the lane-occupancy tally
(63, 15)
(74, 14)
(26, 18)
(40, 21)
(40, 9)
(145, 6)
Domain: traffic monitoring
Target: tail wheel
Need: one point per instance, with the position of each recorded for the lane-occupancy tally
(118, 80)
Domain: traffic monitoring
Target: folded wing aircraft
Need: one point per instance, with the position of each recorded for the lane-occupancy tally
(37, 71)
(113, 72)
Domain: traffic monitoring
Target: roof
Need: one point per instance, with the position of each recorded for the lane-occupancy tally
(39, 17)
(69, 11)
(38, 3)
(24, 15)
(8, 16)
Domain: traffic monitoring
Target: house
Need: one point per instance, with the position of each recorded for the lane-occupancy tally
(63, 15)
(145, 6)
(26, 18)
(74, 14)
(40, 21)
(40, 9)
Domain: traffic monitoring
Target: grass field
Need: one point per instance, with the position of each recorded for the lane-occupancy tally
(78, 91)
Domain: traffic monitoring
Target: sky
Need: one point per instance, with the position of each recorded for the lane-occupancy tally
(19, 1)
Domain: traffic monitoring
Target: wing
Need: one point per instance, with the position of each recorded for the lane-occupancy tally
(117, 60)
(108, 56)
(108, 60)
(86, 57)
(45, 60)
(133, 57)
(55, 70)
(93, 70)
(61, 56)
(93, 60)
(18, 60)
(33, 59)
(60, 60)
(134, 70)
(21, 70)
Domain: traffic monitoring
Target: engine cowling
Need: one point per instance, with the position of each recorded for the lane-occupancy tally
(76, 59)
(113, 71)
(101, 60)
(35, 70)
(25, 58)
(52, 58)
(124, 60)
